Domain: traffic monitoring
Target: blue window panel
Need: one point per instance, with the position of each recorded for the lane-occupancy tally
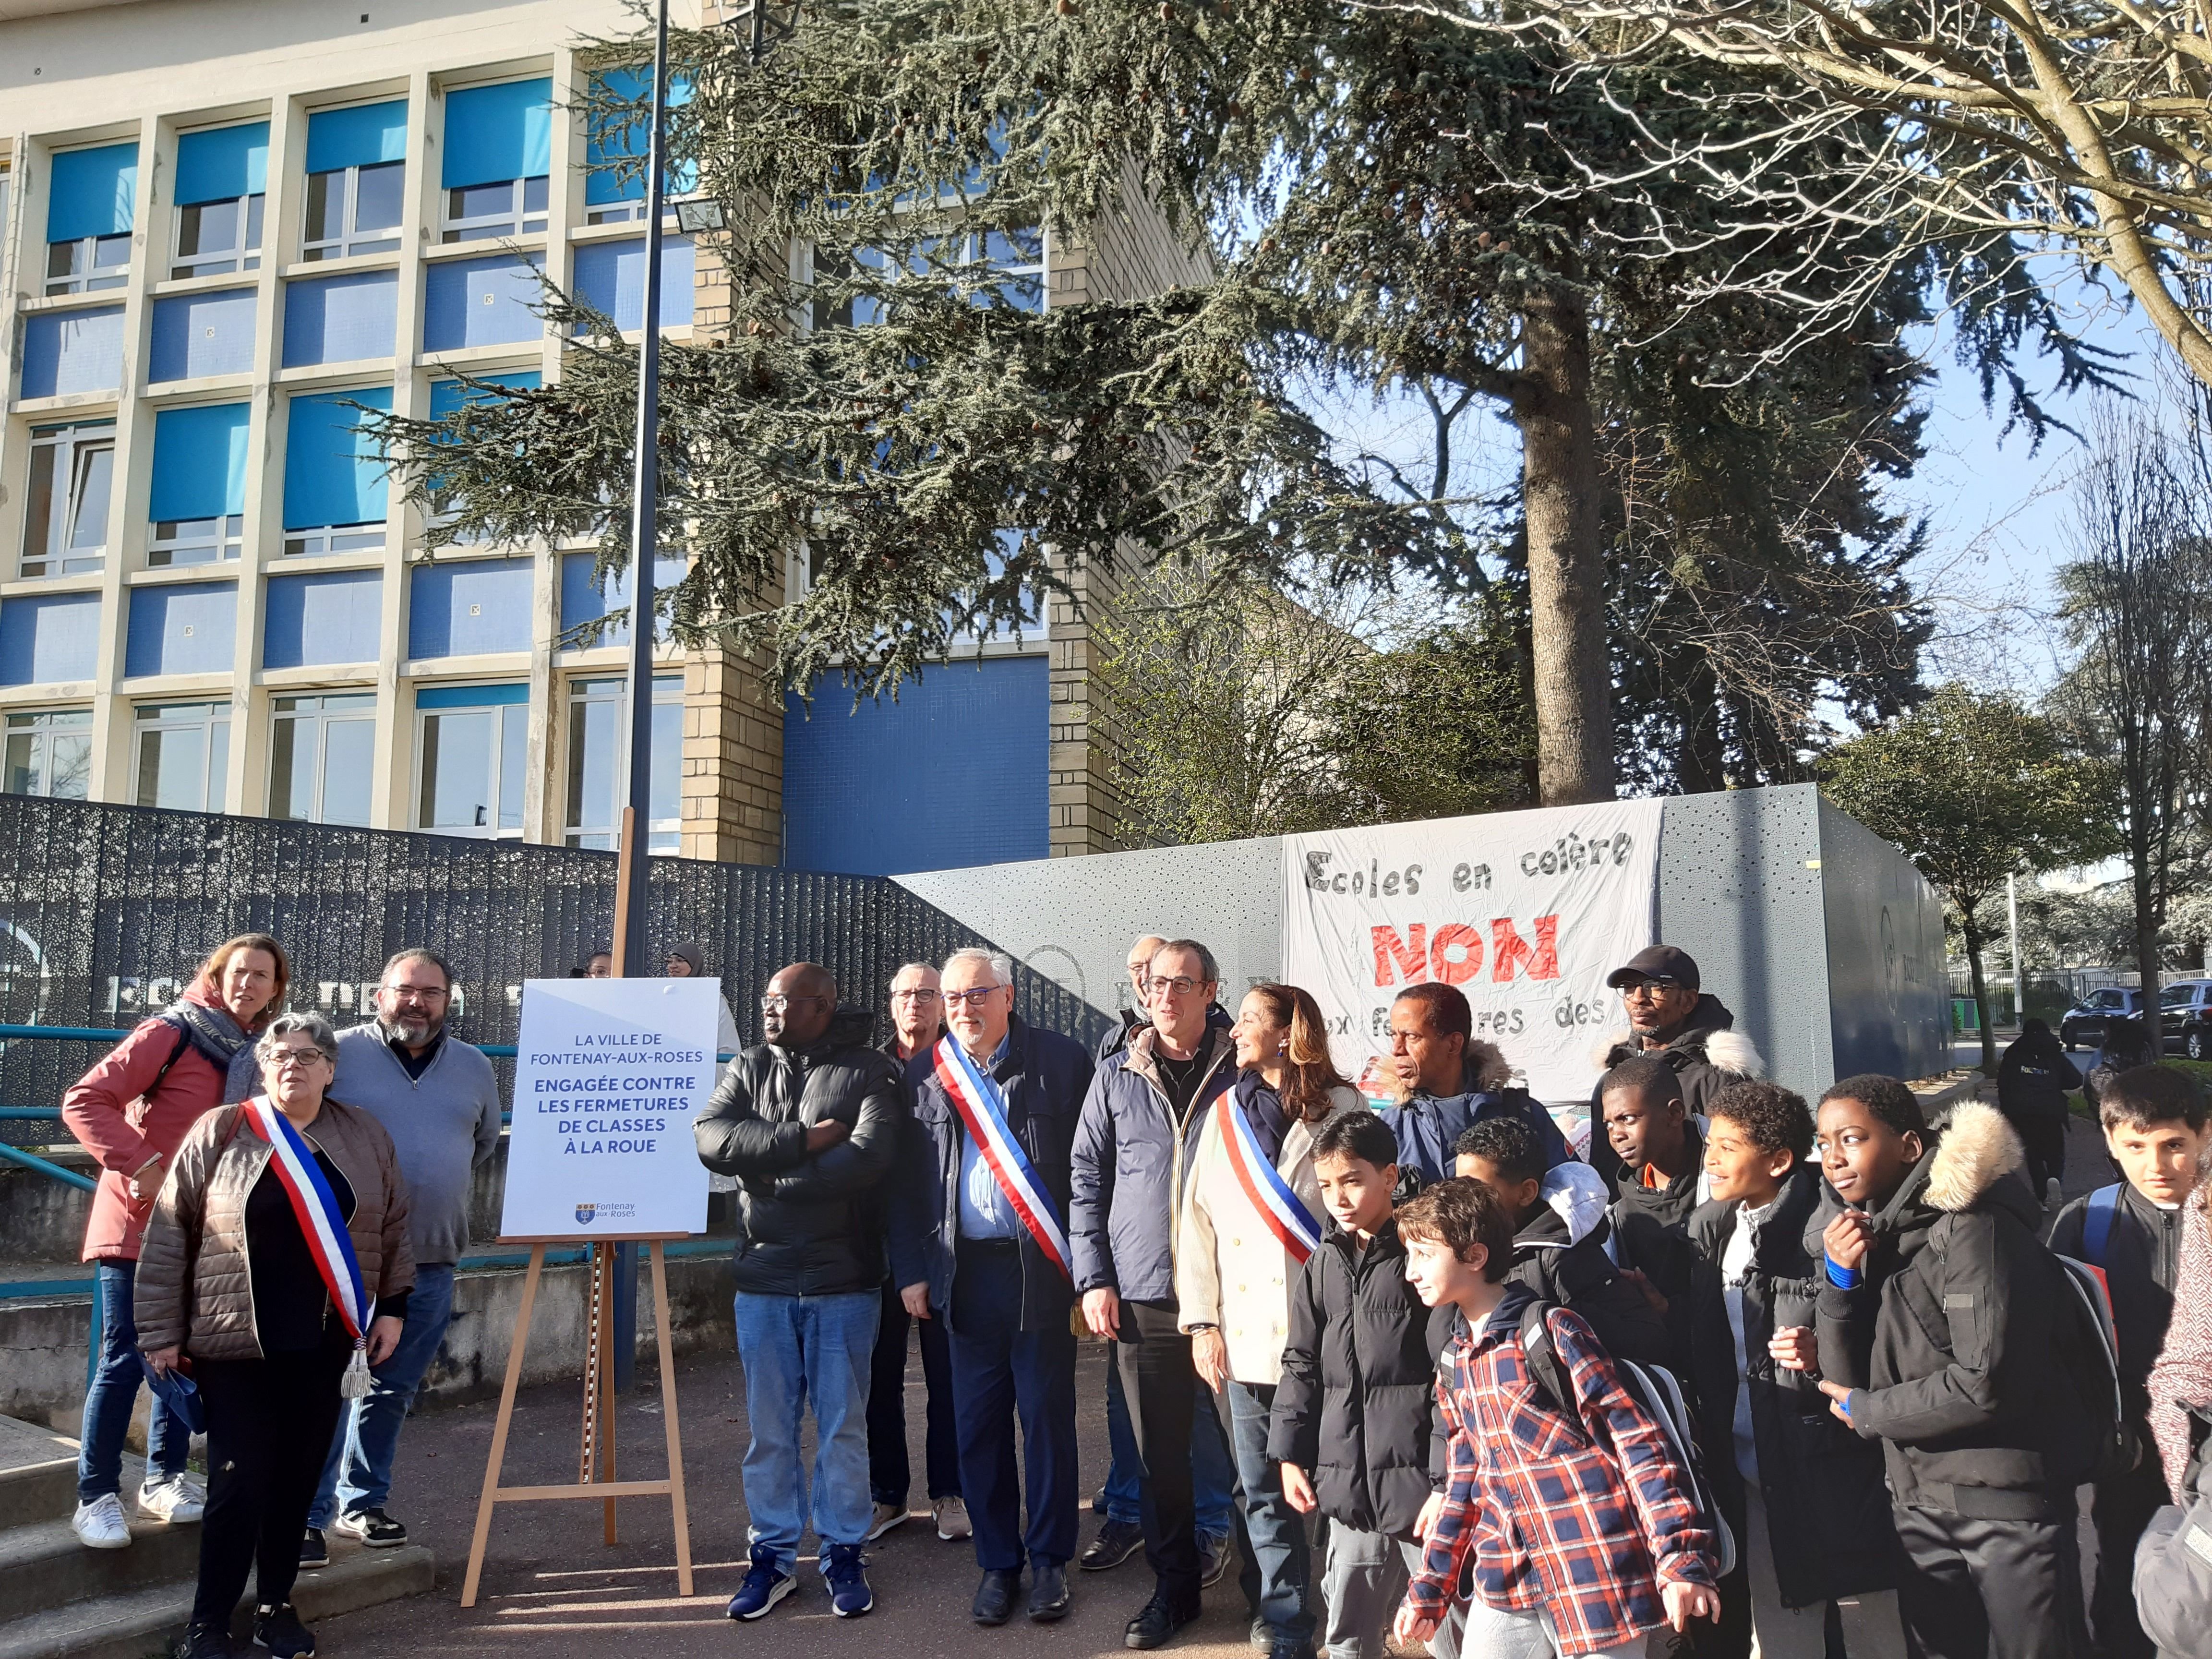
(189, 628)
(457, 607)
(49, 638)
(475, 302)
(470, 696)
(498, 132)
(854, 801)
(222, 165)
(94, 193)
(196, 334)
(69, 351)
(611, 278)
(332, 471)
(610, 142)
(446, 396)
(199, 462)
(356, 137)
(340, 319)
(325, 619)
(582, 601)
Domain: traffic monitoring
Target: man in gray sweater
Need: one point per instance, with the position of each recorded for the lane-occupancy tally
(438, 1099)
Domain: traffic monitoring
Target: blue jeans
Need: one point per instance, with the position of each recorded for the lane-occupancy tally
(797, 1350)
(1211, 1475)
(357, 1474)
(1277, 1532)
(114, 1391)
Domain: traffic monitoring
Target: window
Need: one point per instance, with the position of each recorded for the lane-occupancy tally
(357, 181)
(1004, 268)
(90, 217)
(2177, 996)
(334, 479)
(178, 754)
(222, 179)
(49, 754)
(72, 476)
(472, 742)
(614, 192)
(598, 774)
(319, 756)
(198, 502)
(498, 152)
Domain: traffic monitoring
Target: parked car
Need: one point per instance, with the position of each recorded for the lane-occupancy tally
(2184, 1009)
(2084, 1023)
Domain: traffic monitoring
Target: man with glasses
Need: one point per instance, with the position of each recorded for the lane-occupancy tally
(808, 1122)
(438, 1099)
(979, 1243)
(1670, 1017)
(1139, 1123)
(1140, 967)
(917, 1022)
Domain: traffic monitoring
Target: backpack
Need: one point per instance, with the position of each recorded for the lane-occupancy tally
(1653, 1388)
(2173, 1570)
(2088, 1347)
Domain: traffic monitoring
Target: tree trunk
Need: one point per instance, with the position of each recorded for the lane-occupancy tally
(2144, 886)
(1702, 765)
(1972, 930)
(1566, 567)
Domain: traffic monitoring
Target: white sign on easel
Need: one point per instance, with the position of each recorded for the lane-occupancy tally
(608, 1075)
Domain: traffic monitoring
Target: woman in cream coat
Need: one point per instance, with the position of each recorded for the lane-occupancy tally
(1234, 1261)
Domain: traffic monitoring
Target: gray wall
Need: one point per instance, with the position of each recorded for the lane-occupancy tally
(1888, 992)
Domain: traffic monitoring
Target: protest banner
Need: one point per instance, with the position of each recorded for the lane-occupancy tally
(1525, 913)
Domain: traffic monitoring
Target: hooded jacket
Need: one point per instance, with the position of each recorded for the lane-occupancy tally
(1828, 1512)
(1559, 1253)
(2141, 1264)
(1707, 1054)
(1949, 1342)
(1429, 1126)
(2033, 1079)
(1651, 1224)
(809, 1224)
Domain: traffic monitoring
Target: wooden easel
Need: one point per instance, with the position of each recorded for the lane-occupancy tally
(596, 1473)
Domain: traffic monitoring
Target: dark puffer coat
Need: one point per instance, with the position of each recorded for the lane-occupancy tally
(1708, 1054)
(809, 1225)
(1560, 1254)
(1357, 1405)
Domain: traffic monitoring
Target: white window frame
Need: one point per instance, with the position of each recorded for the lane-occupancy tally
(82, 271)
(43, 726)
(352, 238)
(152, 719)
(517, 218)
(335, 538)
(419, 804)
(195, 541)
(67, 443)
(663, 835)
(360, 706)
(245, 255)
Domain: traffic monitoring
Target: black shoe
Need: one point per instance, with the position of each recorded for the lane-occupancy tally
(1116, 1543)
(1157, 1621)
(204, 1642)
(314, 1551)
(1214, 1555)
(1047, 1592)
(994, 1596)
(1283, 1647)
(373, 1527)
(279, 1629)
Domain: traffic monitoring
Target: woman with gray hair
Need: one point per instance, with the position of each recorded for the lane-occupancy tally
(276, 1270)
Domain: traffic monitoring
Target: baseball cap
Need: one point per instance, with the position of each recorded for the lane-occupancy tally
(1661, 961)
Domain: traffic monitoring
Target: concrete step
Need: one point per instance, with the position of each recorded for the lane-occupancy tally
(42, 1565)
(38, 1474)
(147, 1622)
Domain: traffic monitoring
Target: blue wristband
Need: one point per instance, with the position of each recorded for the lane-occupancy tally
(1843, 1279)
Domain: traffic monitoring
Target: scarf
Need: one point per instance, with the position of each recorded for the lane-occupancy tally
(1263, 1110)
(220, 1041)
(2182, 1379)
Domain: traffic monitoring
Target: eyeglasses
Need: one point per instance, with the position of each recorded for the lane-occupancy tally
(417, 993)
(978, 997)
(284, 1057)
(1182, 985)
(913, 996)
(776, 1005)
(1653, 988)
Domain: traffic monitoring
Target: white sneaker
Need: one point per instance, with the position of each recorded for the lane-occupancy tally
(99, 1525)
(882, 1517)
(178, 1499)
(951, 1515)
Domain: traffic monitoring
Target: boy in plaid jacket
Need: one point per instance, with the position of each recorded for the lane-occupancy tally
(1581, 1537)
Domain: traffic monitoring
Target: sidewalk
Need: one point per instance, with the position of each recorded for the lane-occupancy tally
(551, 1588)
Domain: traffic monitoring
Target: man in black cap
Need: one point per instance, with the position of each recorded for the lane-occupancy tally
(1670, 1017)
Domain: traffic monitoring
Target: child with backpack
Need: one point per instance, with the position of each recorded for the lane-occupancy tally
(1948, 1332)
(1803, 1494)
(2154, 1122)
(1577, 1516)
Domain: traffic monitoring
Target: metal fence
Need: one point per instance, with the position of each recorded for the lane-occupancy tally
(106, 910)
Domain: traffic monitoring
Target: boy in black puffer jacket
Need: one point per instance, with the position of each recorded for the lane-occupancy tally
(1942, 1335)
(1356, 1426)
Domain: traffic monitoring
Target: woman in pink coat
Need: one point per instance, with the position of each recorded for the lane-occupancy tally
(132, 1111)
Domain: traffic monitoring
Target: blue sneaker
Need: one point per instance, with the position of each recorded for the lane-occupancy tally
(765, 1585)
(850, 1594)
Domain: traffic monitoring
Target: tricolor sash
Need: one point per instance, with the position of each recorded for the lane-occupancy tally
(315, 1207)
(1280, 1208)
(977, 1102)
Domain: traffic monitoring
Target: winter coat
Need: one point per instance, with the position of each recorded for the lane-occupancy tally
(195, 1281)
(1948, 1342)
(1561, 1254)
(1827, 1511)
(115, 1118)
(2033, 1079)
(1429, 1126)
(1130, 1168)
(1707, 1054)
(1231, 1271)
(2142, 1262)
(809, 1224)
(1650, 1224)
(1357, 1405)
(1044, 1076)
(1116, 1038)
